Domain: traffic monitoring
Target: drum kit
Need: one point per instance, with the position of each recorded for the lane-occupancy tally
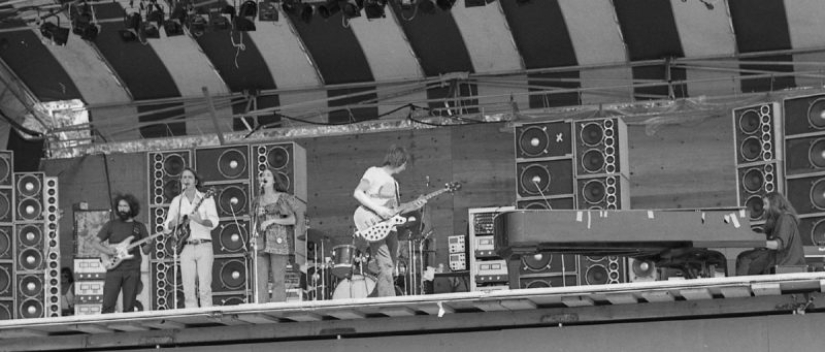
(343, 274)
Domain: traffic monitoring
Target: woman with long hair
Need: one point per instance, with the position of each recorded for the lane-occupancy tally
(274, 216)
(784, 244)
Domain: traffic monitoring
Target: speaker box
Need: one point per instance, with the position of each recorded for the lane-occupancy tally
(30, 248)
(29, 196)
(165, 169)
(163, 244)
(232, 299)
(601, 147)
(230, 238)
(544, 178)
(639, 270)
(549, 281)
(803, 115)
(30, 296)
(539, 269)
(288, 162)
(6, 281)
(564, 202)
(6, 310)
(229, 274)
(52, 248)
(6, 243)
(6, 201)
(166, 285)
(224, 164)
(6, 168)
(602, 270)
(812, 230)
(758, 153)
(232, 200)
(544, 140)
(603, 192)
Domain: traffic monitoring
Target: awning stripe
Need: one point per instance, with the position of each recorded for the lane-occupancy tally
(762, 25)
(487, 37)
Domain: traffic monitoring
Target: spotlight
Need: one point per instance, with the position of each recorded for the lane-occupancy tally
(306, 12)
(196, 23)
(83, 25)
(174, 25)
(220, 19)
(375, 8)
(154, 19)
(445, 5)
(245, 21)
(57, 34)
(326, 10)
(351, 8)
(267, 12)
(131, 24)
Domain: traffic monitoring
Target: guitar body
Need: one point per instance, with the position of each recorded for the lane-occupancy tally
(183, 232)
(373, 229)
(122, 248)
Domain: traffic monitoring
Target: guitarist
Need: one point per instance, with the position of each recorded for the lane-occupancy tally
(378, 195)
(197, 217)
(126, 276)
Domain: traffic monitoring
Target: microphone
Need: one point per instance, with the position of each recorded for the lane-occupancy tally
(263, 183)
(428, 181)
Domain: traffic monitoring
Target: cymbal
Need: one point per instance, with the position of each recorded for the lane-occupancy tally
(314, 235)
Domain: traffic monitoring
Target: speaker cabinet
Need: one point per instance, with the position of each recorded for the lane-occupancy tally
(805, 164)
(602, 270)
(544, 165)
(29, 196)
(52, 247)
(230, 238)
(288, 163)
(6, 281)
(163, 243)
(224, 164)
(30, 296)
(6, 168)
(167, 285)
(758, 152)
(543, 270)
(30, 247)
(229, 274)
(6, 310)
(602, 164)
(165, 169)
(604, 192)
(232, 200)
(544, 140)
(6, 202)
(232, 299)
(545, 178)
(639, 270)
(6, 243)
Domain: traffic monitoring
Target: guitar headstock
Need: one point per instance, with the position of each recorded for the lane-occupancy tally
(210, 192)
(452, 186)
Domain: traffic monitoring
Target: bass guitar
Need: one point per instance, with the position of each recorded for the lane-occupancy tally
(122, 249)
(182, 229)
(378, 231)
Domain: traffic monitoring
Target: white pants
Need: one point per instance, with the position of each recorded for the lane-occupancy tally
(196, 264)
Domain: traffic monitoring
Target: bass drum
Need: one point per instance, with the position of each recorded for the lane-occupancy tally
(356, 287)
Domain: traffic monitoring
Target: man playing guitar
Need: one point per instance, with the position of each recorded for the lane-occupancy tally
(126, 275)
(379, 197)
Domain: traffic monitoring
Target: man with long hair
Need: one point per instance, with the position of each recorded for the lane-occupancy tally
(783, 245)
(126, 275)
(379, 200)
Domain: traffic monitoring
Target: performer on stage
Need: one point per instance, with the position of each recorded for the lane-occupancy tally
(191, 218)
(275, 215)
(379, 197)
(67, 299)
(126, 275)
(784, 244)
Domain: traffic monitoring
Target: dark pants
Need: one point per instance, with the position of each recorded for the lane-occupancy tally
(127, 280)
(755, 262)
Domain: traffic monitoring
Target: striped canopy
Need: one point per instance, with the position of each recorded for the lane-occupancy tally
(464, 61)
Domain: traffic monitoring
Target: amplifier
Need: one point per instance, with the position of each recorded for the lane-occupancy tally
(88, 309)
(491, 271)
(456, 244)
(89, 291)
(89, 269)
(458, 261)
(485, 246)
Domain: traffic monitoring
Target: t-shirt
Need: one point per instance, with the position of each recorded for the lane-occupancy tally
(118, 230)
(786, 230)
(382, 186)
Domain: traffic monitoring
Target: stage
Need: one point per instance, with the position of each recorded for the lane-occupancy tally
(314, 323)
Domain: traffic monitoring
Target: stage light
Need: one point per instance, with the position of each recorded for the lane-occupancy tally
(331, 7)
(245, 20)
(196, 23)
(267, 12)
(84, 26)
(220, 19)
(174, 25)
(351, 8)
(445, 5)
(58, 35)
(375, 8)
(131, 24)
(154, 20)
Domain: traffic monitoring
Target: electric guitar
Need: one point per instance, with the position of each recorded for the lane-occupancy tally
(122, 249)
(182, 229)
(379, 231)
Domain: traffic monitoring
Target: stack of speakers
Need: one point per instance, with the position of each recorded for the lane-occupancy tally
(804, 129)
(567, 164)
(227, 170)
(29, 243)
(757, 142)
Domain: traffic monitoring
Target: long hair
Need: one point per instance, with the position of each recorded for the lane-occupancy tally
(134, 206)
(777, 206)
(66, 270)
(396, 156)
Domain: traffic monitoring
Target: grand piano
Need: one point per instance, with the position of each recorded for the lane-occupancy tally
(691, 240)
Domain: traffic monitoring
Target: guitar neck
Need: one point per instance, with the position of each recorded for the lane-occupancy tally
(142, 241)
(435, 194)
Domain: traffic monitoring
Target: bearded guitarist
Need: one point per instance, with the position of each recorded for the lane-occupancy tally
(379, 197)
(192, 217)
(126, 276)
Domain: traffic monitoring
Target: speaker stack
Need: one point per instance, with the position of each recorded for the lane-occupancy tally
(165, 169)
(757, 142)
(37, 247)
(571, 165)
(227, 170)
(805, 164)
(7, 234)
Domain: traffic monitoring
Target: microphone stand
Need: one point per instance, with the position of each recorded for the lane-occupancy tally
(254, 242)
(176, 238)
(244, 243)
